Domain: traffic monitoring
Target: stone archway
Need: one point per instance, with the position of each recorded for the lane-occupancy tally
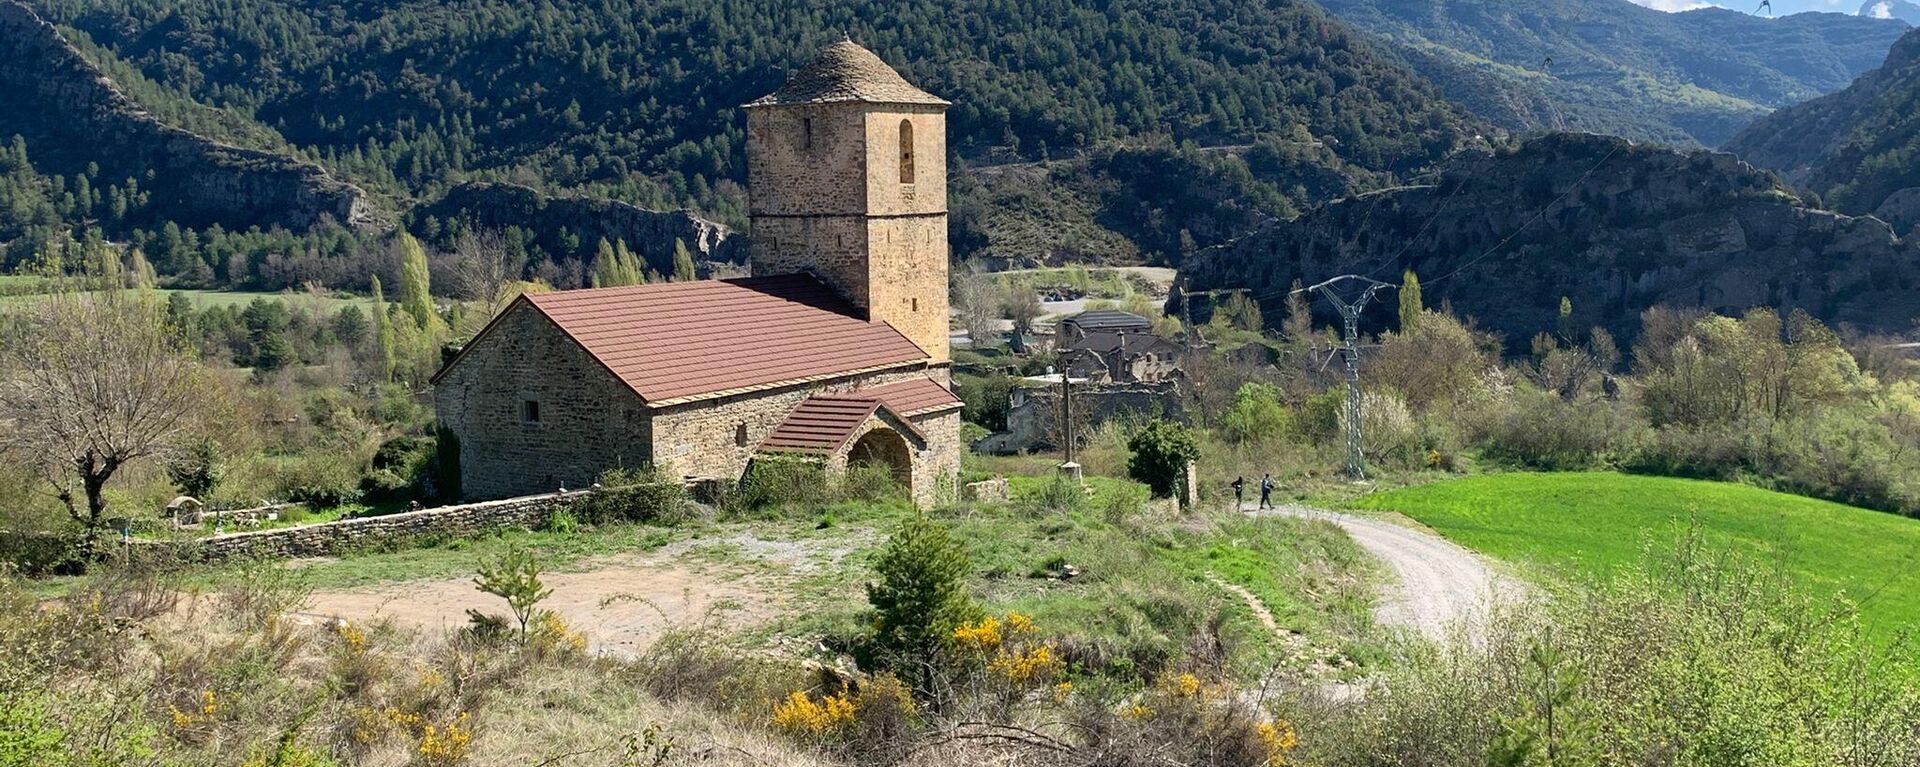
(884, 447)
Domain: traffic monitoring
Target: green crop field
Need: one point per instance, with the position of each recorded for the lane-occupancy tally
(1594, 523)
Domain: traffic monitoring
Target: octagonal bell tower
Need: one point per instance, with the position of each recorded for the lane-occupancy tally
(847, 180)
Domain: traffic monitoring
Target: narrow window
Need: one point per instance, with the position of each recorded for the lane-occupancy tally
(806, 131)
(906, 152)
(916, 304)
(740, 434)
(530, 411)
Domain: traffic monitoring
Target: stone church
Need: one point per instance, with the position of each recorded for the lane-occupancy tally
(834, 348)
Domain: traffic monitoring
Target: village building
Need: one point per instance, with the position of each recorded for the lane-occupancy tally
(835, 348)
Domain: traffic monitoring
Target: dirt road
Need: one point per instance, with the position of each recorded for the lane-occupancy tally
(1438, 585)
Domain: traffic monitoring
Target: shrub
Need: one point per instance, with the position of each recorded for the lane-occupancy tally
(634, 495)
(782, 481)
(1161, 452)
(198, 469)
(1539, 430)
(1257, 415)
(919, 599)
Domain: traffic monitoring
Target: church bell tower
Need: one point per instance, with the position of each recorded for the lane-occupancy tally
(847, 180)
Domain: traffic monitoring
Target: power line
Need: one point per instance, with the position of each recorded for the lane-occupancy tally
(1540, 214)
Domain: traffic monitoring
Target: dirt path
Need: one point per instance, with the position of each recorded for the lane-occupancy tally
(1439, 585)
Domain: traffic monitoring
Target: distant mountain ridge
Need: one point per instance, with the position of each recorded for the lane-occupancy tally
(1857, 148)
(1610, 66)
(1612, 226)
(73, 115)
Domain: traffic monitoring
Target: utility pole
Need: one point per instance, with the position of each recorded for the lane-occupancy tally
(1350, 352)
(1069, 467)
(1186, 308)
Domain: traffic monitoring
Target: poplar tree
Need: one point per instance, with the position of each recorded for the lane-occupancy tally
(683, 268)
(1411, 303)
(416, 296)
(383, 332)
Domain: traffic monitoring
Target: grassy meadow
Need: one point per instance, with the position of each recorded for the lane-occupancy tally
(1601, 523)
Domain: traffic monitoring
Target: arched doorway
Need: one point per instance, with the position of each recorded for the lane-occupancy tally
(884, 447)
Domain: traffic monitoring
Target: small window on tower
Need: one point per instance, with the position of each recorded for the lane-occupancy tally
(906, 152)
(916, 304)
(740, 434)
(806, 133)
(530, 411)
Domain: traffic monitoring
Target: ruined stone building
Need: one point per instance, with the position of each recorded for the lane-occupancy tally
(835, 348)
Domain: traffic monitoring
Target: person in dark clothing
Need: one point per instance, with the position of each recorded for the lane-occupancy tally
(1239, 485)
(1266, 491)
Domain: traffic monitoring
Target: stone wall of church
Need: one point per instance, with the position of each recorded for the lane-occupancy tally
(937, 470)
(807, 160)
(907, 272)
(833, 248)
(588, 421)
(715, 439)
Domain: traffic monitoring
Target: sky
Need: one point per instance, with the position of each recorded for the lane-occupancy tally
(1780, 7)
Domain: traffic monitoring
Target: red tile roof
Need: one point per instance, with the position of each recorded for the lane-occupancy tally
(910, 397)
(684, 341)
(824, 422)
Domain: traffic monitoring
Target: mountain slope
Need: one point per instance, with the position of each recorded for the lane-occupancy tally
(1856, 148)
(1614, 67)
(638, 99)
(1613, 226)
(74, 116)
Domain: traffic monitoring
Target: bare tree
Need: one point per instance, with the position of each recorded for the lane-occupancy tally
(1023, 307)
(978, 302)
(90, 383)
(485, 269)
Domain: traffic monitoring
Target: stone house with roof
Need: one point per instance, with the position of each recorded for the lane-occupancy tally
(835, 348)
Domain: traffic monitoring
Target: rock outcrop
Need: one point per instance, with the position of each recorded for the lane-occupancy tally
(552, 220)
(1613, 226)
(72, 114)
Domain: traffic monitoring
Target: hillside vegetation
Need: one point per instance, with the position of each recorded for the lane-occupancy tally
(637, 102)
(1857, 148)
(1612, 66)
(1601, 524)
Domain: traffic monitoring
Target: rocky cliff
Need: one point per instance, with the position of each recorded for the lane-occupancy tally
(1857, 147)
(72, 114)
(1613, 226)
(563, 225)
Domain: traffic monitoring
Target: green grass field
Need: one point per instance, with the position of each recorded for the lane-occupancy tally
(1595, 523)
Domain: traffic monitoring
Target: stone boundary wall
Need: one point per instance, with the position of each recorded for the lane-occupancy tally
(328, 538)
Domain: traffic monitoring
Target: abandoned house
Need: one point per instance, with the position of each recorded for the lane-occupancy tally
(1122, 357)
(1079, 326)
(835, 348)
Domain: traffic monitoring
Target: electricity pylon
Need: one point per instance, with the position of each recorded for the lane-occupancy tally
(1350, 351)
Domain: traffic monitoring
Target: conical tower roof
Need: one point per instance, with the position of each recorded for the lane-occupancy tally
(844, 71)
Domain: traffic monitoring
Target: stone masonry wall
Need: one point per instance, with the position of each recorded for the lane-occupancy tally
(329, 538)
(589, 420)
(907, 278)
(790, 175)
(936, 474)
(699, 439)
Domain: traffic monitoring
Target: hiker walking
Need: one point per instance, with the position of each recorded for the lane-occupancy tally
(1266, 491)
(1239, 485)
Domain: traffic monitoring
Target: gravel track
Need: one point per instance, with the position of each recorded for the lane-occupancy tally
(1438, 585)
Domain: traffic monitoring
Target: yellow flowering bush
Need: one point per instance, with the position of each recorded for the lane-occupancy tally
(1038, 664)
(437, 745)
(1279, 739)
(978, 638)
(552, 637)
(204, 713)
(800, 715)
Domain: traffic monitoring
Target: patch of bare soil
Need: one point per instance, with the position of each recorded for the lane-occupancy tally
(622, 604)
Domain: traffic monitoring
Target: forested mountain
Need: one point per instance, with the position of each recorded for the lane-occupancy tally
(637, 101)
(1611, 66)
(1611, 226)
(1857, 148)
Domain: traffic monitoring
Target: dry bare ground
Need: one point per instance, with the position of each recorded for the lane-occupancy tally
(623, 603)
